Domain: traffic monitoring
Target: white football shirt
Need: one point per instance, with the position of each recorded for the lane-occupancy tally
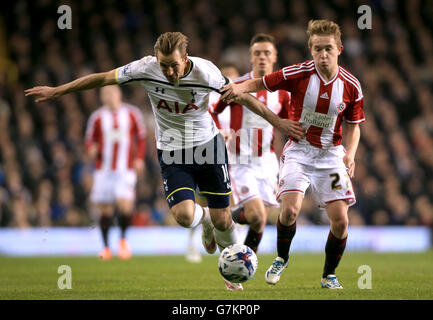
(181, 111)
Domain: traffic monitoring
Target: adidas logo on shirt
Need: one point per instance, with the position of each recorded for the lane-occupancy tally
(324, 96)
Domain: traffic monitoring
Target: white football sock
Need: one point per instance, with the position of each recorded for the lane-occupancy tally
(228, 237)
(191, 236)
(198, 216)
(206, 220)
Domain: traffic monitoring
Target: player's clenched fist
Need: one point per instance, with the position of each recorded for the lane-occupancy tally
(41, 93)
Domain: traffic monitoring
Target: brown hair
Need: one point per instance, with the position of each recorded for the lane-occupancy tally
(324, 27)
(262, 37)
(168, 42)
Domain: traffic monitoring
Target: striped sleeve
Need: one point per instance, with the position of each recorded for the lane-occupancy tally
(140, 131)
(274, 81)
(353, 82)
(219, 107)
(287, 78)
(93, 129)
(355, 112)
(284, 99)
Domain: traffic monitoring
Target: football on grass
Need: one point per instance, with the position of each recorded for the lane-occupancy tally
(237, 263)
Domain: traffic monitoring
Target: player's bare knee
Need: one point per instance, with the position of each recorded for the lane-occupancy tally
(289, 214)
(125, 211)
(221, 219)
(106, 210)
(222, 224)
(182, 216)
(125, 207)
(256, 220)
(340, 224)
(184, 219)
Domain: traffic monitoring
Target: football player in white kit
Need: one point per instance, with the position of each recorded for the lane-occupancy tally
(191, 151)
(222, 121)
(115, 141)
(254, 181)
(323, 96)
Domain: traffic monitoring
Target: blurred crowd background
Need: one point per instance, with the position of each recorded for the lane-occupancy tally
(45, 177)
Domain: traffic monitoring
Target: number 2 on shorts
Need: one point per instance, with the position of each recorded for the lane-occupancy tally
(334, 182)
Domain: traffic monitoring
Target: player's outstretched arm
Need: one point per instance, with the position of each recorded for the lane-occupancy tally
(91, 81)
(290, 127)
(231, 91)
(353, 134)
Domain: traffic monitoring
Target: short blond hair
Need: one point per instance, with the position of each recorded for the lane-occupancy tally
(323, 27)
(168, 42)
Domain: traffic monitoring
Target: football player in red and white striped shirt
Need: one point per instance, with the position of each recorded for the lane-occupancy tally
(223, 119)
(115, 139)
(254, 180)
(323, 96)
(178, 86)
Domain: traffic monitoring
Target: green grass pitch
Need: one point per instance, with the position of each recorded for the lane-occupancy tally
(394, 276)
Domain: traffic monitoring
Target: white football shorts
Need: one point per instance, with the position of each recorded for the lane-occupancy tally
(323, 169)
(256, 180)
(110, 186)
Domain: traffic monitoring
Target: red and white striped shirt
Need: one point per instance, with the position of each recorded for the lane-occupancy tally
(120, 135)
(318, 105)
(243, 120)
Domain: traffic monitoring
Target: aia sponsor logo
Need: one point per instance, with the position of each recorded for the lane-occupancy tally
(175, 107)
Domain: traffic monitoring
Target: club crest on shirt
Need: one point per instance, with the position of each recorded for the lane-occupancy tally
(193, 93)
(341, 106)
(126, 70)
(245, 189)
